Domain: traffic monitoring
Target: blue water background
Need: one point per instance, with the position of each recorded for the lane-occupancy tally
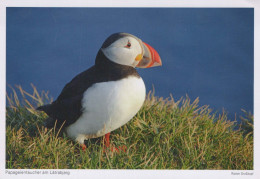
(206, 52)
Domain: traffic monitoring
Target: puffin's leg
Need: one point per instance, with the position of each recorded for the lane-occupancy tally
(83, 147)
(107, 143)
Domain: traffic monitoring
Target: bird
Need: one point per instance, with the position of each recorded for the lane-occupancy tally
(106, 96)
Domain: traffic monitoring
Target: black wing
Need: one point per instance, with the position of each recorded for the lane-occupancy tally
(68, 104)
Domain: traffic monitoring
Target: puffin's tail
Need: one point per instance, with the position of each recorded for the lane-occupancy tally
(44, 108)
(50, 122)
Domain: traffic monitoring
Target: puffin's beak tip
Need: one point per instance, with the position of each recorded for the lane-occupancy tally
(151, 57)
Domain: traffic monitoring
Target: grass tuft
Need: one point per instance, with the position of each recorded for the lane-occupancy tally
(164, 134)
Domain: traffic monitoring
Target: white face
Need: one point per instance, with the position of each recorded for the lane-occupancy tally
(124, 51)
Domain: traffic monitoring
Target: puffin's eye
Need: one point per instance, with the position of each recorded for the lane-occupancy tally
(128, 45)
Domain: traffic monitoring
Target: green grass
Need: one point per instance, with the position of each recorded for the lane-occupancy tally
(165, 134)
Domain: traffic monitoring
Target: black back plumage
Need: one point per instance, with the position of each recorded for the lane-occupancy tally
(67, 107)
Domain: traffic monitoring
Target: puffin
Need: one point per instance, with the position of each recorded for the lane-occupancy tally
(107, 95)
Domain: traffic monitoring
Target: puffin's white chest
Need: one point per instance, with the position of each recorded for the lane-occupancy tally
(107, 106)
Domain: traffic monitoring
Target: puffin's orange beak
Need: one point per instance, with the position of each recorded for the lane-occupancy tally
(150, 57)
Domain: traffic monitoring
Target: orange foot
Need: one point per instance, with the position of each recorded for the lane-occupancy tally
(119, 149)
(112, 148)
(83, 147)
